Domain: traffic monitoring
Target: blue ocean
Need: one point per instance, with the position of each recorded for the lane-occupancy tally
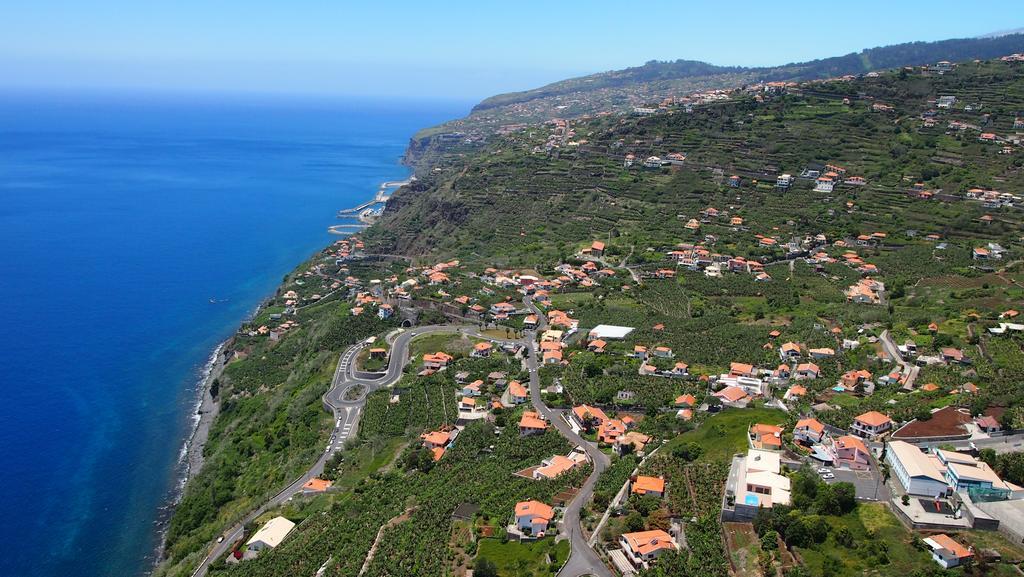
(121, 218)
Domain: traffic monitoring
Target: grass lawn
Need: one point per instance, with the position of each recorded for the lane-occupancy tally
(994, 540)
(569, 300)
(725, 434)
(525, 558)
(366, 460)
(448, 343)
(500, 334)
(364, 362)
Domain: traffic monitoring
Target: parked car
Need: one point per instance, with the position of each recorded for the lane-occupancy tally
(827, 476)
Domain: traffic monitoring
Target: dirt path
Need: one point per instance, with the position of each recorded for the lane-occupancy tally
(380, 533)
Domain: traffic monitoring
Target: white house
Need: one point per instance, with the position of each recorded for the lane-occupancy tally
(533, 517)
(270, 535)
(643, 547)
(946, 551)
(871, 423)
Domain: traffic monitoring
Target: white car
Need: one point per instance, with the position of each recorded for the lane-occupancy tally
(824, 470)
(827, 476)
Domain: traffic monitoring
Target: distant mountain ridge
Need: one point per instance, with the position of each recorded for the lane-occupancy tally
(908, 54)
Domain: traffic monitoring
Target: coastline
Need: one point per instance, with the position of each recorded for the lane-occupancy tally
(206, 407)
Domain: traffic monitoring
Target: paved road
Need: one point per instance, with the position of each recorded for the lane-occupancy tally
(583, 560)
(346, 420)
(894, 352)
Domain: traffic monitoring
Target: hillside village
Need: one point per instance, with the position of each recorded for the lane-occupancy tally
(792, 366)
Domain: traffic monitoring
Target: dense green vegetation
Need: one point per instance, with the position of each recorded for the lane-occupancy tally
(510, 203)
(271, 423)
(530, 558)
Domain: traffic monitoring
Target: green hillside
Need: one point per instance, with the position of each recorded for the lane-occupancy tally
(515, 199)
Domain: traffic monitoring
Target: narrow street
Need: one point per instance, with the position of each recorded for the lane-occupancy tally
(583, 560)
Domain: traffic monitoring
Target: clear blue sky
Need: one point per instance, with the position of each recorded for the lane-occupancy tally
(465, 50)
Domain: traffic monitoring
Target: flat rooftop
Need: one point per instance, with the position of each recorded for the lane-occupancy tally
(610, 332)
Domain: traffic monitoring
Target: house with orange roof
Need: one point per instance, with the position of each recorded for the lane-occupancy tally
(531, 424)
(558, 318)
(865, 291)
(851, 452)
(552, 357)
(610, 430)
(870, 424)
(517, 393)
(533, 517)
(807, 371)
(587, 417)
(686, 401)
(436, 439)
(437, 442)
(768, 437)
(643, 547)
(596, 346)
(662, 352)
(631, 442)
(809, 431)
(794, 392)
(741, 370)
(437, 278)
(482, 350)
(642, 485)
(854, 380)
(953, 355)
(680, 369)
(472, 389)
(558, 465)
(947, 552)
(596, 248)
(733, 396)
(502, 308)
(436, 361)
(781, 373)
(316, 485)
(789, 351)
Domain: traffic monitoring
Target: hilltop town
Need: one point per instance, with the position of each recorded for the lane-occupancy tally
(771, 329)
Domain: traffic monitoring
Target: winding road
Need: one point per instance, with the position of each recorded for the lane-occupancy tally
(583, 560)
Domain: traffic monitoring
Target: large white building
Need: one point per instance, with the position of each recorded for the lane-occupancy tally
(609, 332)
(919, 474)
